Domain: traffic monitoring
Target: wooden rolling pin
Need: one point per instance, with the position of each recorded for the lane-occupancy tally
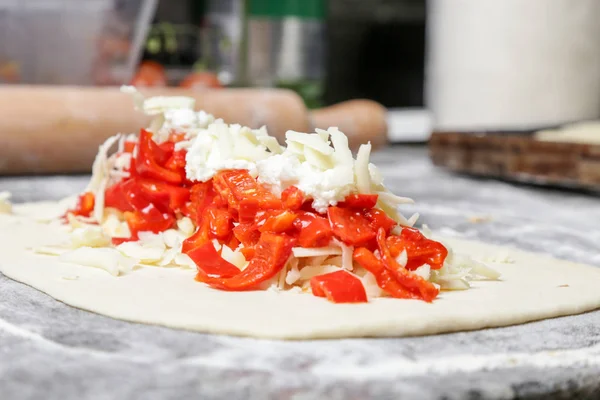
(57, 129)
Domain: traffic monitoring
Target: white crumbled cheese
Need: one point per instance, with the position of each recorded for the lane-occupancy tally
(108, 259)
(5, 205)
(278, 172)
(221, 147)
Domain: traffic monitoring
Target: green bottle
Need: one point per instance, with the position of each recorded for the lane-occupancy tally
(286, 46)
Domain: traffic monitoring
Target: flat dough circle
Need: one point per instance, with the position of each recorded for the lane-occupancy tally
(533, 287)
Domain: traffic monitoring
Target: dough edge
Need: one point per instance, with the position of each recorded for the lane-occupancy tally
(532, 289)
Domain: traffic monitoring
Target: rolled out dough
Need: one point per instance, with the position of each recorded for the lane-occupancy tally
(533, 287)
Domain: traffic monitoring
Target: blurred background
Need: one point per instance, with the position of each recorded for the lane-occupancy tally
(506, 73)
(327, 51)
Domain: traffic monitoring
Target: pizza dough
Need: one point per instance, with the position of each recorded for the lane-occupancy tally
(532, 288)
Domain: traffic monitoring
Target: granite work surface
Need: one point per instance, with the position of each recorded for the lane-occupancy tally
(52, 351)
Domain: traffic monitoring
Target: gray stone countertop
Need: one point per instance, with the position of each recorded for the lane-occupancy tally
(49, 350)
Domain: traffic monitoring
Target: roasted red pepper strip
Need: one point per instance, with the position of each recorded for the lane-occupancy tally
(237, 185)
(149, 158)
(419, 249)
(351, 226)
(278, 222)
(360, 201)
(176, 137)
(85, 205)
(175, 196)
(150, 219)
(199, 238)
(220, 222)
(115, 197)
(248, 252)
(129, 146)
(211, 263)
(384, 277)
(247, 234)
(271, 254)
(248, 208)
(177, 161)
(379, 219)
(163, 152)
(292, 198)
(408, 279)
(313, 230)
(201, 196)
(339, 287)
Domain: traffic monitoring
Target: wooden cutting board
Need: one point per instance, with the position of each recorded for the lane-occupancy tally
(518, 157)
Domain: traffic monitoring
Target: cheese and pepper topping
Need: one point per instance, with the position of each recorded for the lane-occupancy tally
(247, 213)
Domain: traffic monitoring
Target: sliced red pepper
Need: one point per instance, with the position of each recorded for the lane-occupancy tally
(129, 146)
(176, 137)
(126, 196)
(177, 161)
(114, 197)
(222, 188)
(351, 226)
(248, 252)
(419, 249)
(271, 255)
(175, 196)
(248, 208)
(238, 185)
(199, 238)
(313, 230)
(406, 278)
(386, 280)
(150, 219)
(220, 222)
(278, 222)
(149, 160)
(339, 287)
(201, 196)
(134, 195)
(247, 234)
(85, 205)
(292, 198)
(379, 219)
(233, 242)
(360, 201)
(211, 263)
(163, 152)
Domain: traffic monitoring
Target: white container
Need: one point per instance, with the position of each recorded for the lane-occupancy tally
(512, 64)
